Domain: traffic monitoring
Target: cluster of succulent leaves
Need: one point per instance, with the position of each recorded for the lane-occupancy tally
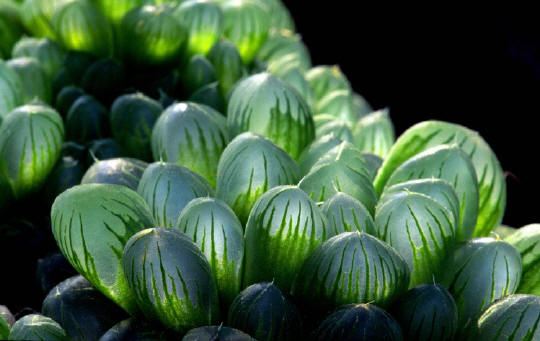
(206, 181)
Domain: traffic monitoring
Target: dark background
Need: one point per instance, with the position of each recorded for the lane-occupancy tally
(477, 68)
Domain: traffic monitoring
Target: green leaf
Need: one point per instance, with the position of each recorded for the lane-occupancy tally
(285, 45)
(118, 171)
(11, 90)
(168, 188)
(352, 267)
(437, 189)
(213, 333)
(132, 119)
(491, 183)
(36, 81)
(159, 35)
(374, 133)
(514, 317)
(283, 228)
(359, 322)
(218, 233)
(83, 312)
(263, 311)
(347, 214)
(325, 79)
(482, 271)
(170, 279)
(249, 166)
(30, 141)
(266, 105)
(191, 135)
(80, 26)
(316, 150)
(527, 241)
(426, 313)
(342, 169)
(450, 163)
(246, 24)
(338, 103)
(49, 53)
(421, 230)
(37, 327)
(91, 224)
(204, 23)
(228, 64)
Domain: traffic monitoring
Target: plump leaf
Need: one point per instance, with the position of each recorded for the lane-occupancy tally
(204, 23)
(135, 330)
(49, 53)
(512, 318)
(103, 149)
(361, 105)
(67, 173)
(421, 230)
(191, 135)
(35, 80)
(86, 120)
(527, 241)
(336, 127)
(481, 271)
(426, 313)
(216, 333)
(324, 79)
(159, 35)
(168, 188)
(91, 224)
(4, 328)
(347, 214)
(242, 180)
(30, 141)
(198, 73)
(295, 78)
(373, 163)
(283, 228)
(118, 171)
(80, 26)
(66, 97)
(37, 16)
(265, 105)
(37, 327)
(503, 231)
(228, 64)
(263, 311)
(437, 189)
(342, 169)
(105, 79)
(115, 10)
(209, 95)
(216, 230)
(246, 24)
(83, 312)
(450, 163)
(132, 119)
(170, 279)
(374, 133)
(11, 90)
(339, 104)
(491, 183)
(284, 45)
(352, 267)
(316, 150)
(280, 17)
(359, 322)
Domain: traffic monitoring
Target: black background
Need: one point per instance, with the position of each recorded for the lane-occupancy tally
(477, 68)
